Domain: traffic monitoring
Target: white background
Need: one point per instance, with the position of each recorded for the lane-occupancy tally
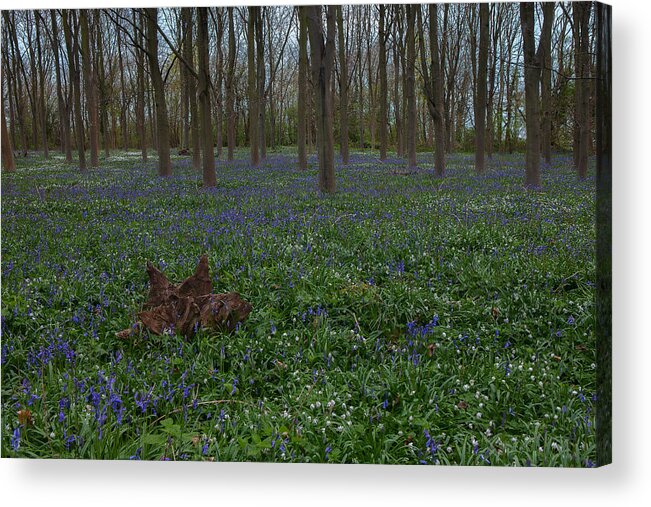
(50, 483)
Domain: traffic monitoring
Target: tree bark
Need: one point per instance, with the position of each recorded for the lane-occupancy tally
(140, 87)
(90, 88)
(41, 92)
(437, 94)
(253, 89)
(72, 47)
(8, 162)
(382, 64)
(480, 95)
(191, 87)
(410, 91)
(604, 234)
(302, 89)
(162, 122)
(343, 89)
(208, 162)
(581, 14)
(259, 45)
(546, 85)
(64, 112)
(219, 97)
(230, 92)
(322, 53)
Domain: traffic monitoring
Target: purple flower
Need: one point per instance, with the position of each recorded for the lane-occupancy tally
(15, 439)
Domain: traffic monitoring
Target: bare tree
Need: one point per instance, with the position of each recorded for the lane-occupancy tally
(230, 92)
(382, 64)
(532, 62)
(481, 92)
(604, 234)
(546, 84)
(253, 88)
(343, 88)
(8, 162)
(162, 121)
(72, 47)
(208, 160)
(90, 86)
(323, 52)
(410, 91)
(302, 88)
(581, 15)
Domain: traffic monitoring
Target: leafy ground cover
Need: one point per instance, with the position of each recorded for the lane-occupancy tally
(403, 320)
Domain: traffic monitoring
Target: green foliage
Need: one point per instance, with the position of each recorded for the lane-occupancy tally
(403, 320)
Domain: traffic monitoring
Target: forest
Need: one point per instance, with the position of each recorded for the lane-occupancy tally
(404, 197)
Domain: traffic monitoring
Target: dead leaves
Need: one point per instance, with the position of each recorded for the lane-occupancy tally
(185, 308)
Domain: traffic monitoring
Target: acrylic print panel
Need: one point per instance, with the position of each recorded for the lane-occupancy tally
(339, 234)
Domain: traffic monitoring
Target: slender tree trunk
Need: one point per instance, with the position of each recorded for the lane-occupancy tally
(262, 143)
(8, 162)
(42, 99)
(360, 79)
(219, 97)
(90, 88)
(343, 89)
(72, 46)
(382, 63)
(230, 92)
(546, 86)
(253, 89)
(581, 14)
(64, 113)
(140, 87)
(162, 122)
(191, 86)
(437, 94)
(322, 52)
(209, 177)
(480, 96)
(411, 88)
(100, 78)
(604, 234)
(302, 89)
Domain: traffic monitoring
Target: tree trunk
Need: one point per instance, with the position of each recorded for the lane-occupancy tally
(90, 88)
(480, 95)
(8, 162)
(162, 122)
(101, 84)
(259, 45)
(546, 86)
(604, 234)
(205, 112)
(343, 89)
(322, 53)
(230, 92)
(253, 89)
(410, 91)
(382, 63)
(302, 89)
(140, 87)
(42, 99)
(581, 14)
(63, 109)
(219, 97)
(72, 47)
(437, 93)
(191, 86)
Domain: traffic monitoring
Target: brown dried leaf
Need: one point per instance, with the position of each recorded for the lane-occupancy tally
(25, 417)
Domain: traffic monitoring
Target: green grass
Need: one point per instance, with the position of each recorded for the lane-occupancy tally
(402, 320)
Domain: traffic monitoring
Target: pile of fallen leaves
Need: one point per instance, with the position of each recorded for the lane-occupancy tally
(184, 308)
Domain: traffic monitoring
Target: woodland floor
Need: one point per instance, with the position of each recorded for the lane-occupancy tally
(403, 320)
